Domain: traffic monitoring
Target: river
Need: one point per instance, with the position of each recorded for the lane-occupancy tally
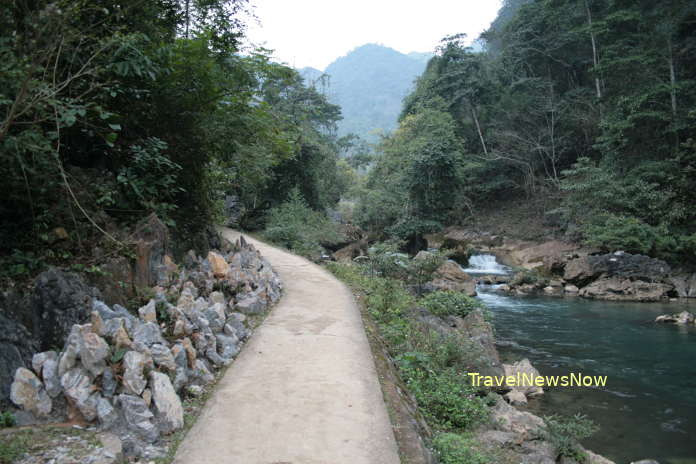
(648, 407)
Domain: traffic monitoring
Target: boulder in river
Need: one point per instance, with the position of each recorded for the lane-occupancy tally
(682, 318)
(450, 276)
(585, 269)
(524, 370)
(624, 289)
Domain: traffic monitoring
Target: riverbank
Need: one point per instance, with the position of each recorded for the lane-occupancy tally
(562, 268)
(432, 354)
(644, 410)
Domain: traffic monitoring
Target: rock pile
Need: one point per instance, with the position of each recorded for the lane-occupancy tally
(615, 276)
(125, 370)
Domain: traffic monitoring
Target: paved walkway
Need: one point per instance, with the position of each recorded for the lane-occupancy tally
(304, 390)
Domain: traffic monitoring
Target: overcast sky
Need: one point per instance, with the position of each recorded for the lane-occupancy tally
(316, 32)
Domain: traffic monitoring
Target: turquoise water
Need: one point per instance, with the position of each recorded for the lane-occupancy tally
(648, 407)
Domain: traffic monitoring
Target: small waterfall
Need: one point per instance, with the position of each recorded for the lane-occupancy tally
(485, 264)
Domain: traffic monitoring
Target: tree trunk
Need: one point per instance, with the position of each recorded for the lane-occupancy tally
(672, 78)
(478, 129)
(188, 21)
(595, 59)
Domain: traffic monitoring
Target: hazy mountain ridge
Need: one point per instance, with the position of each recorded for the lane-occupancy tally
(369, 84)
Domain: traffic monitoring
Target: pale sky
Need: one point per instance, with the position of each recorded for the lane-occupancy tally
(316, 32)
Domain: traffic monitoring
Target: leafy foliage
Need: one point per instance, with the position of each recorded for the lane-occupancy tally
(113, 112)
(585, 107)
(296, 226)
(565, 432)
(449, 303)
(7, 419)
(455, 448)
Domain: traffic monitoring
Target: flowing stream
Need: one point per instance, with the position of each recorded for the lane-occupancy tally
(648, 407)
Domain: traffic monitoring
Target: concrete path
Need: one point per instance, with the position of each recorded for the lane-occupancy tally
(304, 390)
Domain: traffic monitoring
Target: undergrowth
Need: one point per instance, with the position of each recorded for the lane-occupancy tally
(432, 365)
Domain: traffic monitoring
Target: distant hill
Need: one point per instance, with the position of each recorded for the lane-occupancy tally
(369, 84)
(310, 74)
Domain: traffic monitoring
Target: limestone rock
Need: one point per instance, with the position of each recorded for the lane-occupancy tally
(217, 297)
(178, 329)
(16, 346)
(112, 449)
(148, 334)
(78, 389)
(219, 309)
(515, 398)
(151, 239)
(593, 458)
(450, 276)
(218, 264)
(50, 378)
(681, 318)
(624, 289)
(512, 420)
(236, 322)
(59, 300)
(571, 289)
(28, 392)
(163, 357)
(147, 397)
(133, 380)
(526, 373)
(108, 383)
(38, 360)
(227, 346)
(97, 323)
(138, 417)
(201, 373)
(107, 415)
(148, 313)
(168, 410)
(121, 339)
(93, 352)
(585, 269)
(250, 304)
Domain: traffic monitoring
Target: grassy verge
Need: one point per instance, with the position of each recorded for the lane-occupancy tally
(431, 365)
(16, 441)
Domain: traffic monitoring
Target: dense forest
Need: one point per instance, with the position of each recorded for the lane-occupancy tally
(587, 105)
(113, 110)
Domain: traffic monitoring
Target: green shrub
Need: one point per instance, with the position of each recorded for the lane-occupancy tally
(565, 432)
(385, 260)
(7, 419)
(299, 228)
(449, 303)
(622, 233)
(452, 448)
(445, 397)
(149, 181)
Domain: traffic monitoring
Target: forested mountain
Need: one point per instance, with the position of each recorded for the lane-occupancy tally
(369, 84)
(588, 105)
